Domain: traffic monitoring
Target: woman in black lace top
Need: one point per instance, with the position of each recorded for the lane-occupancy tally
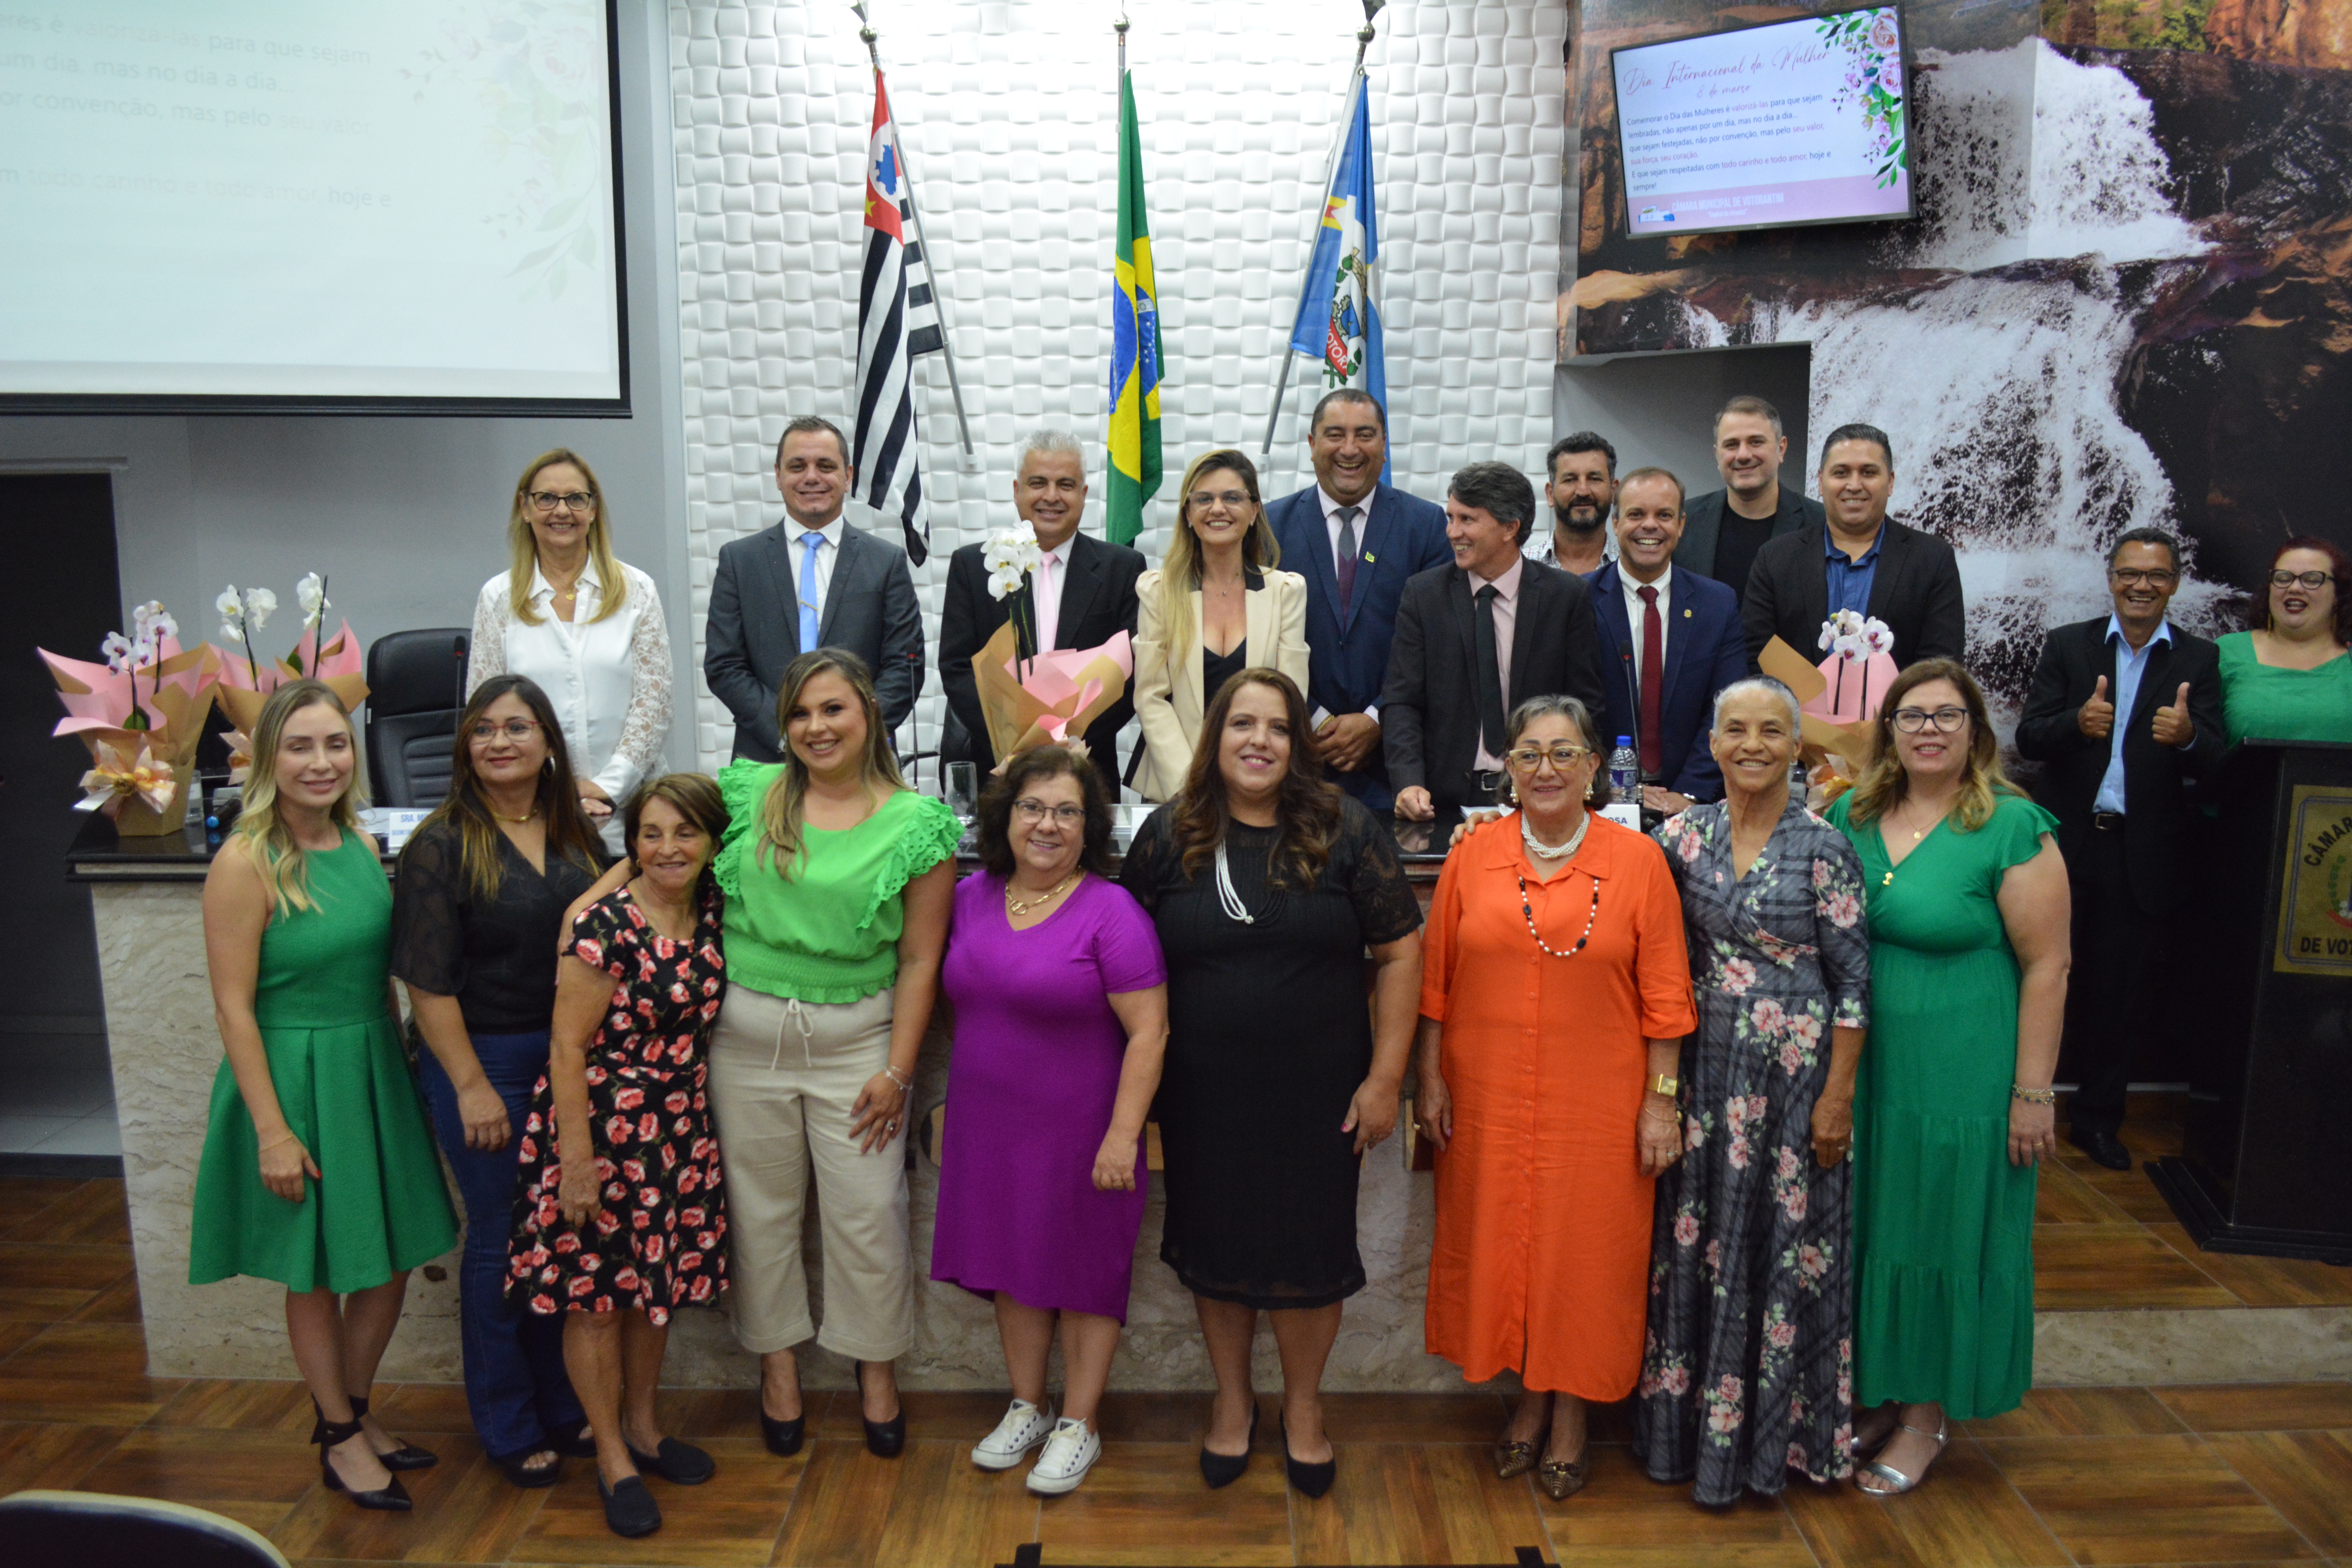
(1267, 885)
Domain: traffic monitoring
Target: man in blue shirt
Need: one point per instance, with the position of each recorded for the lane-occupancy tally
(2124, 715)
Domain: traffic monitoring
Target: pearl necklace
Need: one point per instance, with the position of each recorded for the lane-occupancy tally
(1021, 907)
(1543, 851)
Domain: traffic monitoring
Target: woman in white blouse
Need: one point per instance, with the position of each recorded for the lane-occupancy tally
(1215, 606)
(587, 628)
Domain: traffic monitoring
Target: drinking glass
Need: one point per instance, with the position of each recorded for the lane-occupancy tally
(963, 791)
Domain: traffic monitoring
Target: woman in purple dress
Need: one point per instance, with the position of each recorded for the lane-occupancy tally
(1061, 1014)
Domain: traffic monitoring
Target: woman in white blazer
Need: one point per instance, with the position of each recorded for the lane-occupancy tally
(587, 628)
(1215, 608)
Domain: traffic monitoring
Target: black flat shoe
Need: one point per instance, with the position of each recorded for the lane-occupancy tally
(391, 1497)
(574, 1442)
(1224, 1470)
(407, 1456)
(884, 1440)
(2103, 1148)
(630, 1510)
(784, 1437)
(679, 1463)
(1313, 1480)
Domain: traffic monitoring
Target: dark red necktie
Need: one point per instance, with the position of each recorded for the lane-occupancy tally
(1653, 679)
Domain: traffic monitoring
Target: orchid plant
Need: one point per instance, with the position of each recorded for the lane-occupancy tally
(150, 626)
(1854, 637)
(1010, 556)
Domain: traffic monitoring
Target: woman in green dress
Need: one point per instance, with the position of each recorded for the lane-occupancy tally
(1969, 951)
(318, 1171)
(2289, 679)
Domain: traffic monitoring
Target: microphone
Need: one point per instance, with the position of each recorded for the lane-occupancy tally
(457, 650)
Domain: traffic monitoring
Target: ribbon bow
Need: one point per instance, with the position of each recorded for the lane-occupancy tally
(240, 755)
(118, 778)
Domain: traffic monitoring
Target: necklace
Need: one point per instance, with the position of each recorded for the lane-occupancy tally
(1227, 899)
(1527, 908)
(517, 821)
(1021, 907)
(1542, 851)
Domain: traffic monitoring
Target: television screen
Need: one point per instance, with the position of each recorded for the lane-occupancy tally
(402, 206)
(1800, 121)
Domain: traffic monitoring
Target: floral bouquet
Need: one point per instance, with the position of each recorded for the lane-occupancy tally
(1860, 660)
(142, 713)
(1047, 698)
(1011, 554)
(1831, 732)
(247, 682)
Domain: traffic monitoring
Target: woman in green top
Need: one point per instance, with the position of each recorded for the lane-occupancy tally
(2289, 679)
(318, 1169)
(1967, 902)
(838, 881)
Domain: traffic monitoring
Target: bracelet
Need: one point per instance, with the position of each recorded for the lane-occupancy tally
(273, 1143)
(2033, 1095)
(891, 1072)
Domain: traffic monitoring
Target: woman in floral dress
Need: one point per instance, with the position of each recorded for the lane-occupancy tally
(1747, 1369)
(621, 1219)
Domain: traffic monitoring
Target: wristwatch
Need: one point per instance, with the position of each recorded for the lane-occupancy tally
(1664, 1085)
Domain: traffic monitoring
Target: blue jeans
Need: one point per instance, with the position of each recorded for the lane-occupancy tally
(515, 1383)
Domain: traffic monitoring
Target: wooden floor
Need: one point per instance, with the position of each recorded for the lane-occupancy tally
(2239, 1474)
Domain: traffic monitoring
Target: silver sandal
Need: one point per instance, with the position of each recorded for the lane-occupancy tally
(1887, 1472)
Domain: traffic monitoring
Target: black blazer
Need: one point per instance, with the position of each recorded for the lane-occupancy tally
(2158, 781)
(754, 628)
(1703, 528)
(1916, 591)
(1097, 603)
(1429, 713)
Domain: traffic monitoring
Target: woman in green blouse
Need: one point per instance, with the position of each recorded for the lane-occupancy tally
(838, 880)
(2288, 679)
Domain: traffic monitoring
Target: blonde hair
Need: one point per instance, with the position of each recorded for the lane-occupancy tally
(780, 808)
(1179, 570)
(1884, 784)
(260, 828)
(523, 545)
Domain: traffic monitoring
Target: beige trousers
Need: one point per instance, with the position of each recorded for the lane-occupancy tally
(784, 1075)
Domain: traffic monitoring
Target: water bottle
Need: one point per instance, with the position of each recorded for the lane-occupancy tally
(1625, 771)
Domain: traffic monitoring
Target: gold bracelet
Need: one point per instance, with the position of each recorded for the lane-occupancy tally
(273, 1143)
(2033, 1095)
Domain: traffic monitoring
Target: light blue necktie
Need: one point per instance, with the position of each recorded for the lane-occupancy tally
(810, 592)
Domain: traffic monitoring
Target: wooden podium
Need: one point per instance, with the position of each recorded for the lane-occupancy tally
(2267, 1160)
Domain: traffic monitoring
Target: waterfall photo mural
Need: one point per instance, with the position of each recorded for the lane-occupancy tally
(2126, 298)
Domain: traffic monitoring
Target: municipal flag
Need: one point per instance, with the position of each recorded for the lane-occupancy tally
(1136, 364)
(887, 458)
(1338, 309)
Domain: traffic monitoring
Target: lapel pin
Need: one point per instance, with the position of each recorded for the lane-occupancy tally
(1687, 615)
(1370, 558)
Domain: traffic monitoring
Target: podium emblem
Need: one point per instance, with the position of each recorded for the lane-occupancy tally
(2314, 935)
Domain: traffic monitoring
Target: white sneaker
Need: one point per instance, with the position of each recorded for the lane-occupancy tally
(1023, 1427)
(1069, 1454)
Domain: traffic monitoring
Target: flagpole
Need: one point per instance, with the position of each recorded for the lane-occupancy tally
(930, 261)
(1330, 167)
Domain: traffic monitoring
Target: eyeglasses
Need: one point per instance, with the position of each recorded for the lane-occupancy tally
(548, 500)
(1526, 759)
(2133, 577)
(2308, 579)
(1948, 721)
(515, 730)
(1033, 811)
(1233, 501)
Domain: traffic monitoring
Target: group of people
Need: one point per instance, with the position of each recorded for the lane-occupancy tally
(1666, 1166)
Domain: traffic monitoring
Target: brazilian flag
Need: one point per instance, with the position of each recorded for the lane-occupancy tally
(1136, 364)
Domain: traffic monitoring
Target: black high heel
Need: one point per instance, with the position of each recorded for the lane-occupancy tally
(407, 1456)
(1224, 1470)
(392, 1498)
(1313, 1480)
(884, 1440)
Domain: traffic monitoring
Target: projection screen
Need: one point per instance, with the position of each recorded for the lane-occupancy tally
(311, 205)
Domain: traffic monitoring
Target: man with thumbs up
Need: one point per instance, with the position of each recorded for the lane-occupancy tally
(2125, 714)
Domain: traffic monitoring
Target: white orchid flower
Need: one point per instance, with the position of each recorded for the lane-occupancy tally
(119, 651)
(310, 593)
(1005, 579)
(159, 626)
(231, 608)
(260, 604)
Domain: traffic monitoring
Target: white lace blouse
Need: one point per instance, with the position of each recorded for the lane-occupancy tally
(608, 679)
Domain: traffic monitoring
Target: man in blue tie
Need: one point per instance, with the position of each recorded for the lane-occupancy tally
(1355, 540)
(811, 581)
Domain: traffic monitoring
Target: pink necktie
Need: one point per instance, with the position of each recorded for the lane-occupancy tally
(1048, 606)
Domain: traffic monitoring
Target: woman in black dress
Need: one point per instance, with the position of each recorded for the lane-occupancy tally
(1267, 885)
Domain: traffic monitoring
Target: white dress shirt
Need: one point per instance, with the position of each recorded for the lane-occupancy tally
(608, 680)
(827, 553)
(1045, 586)
(1331, 533)
(1633, 607)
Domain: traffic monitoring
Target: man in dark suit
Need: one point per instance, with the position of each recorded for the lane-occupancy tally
(1082, 594)
(1857, 559)
(1476, 637)
(811, 581)
(1723, 530)
(1669, 640)
(1356, 540)
(2125, 713)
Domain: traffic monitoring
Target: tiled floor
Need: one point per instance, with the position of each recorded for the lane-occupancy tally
(2105, 1476)
(56, 1096)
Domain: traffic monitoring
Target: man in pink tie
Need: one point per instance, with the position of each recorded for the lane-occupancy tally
(1670, 641)
(1083, 594)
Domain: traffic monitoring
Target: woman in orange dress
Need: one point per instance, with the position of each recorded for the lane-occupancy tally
(1555, 994)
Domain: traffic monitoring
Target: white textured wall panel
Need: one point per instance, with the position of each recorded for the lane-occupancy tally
(1008, 114)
